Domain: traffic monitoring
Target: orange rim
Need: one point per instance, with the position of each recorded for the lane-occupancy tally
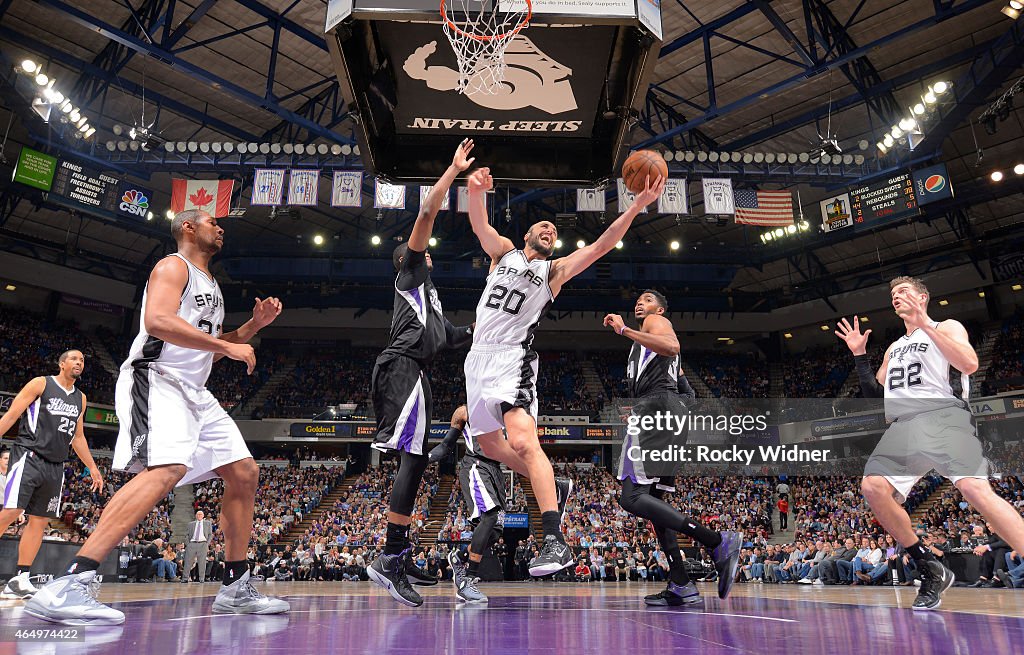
(492, 37)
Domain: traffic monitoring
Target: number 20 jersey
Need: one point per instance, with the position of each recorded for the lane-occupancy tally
(918, 377)
(517, 295)
(202, 307)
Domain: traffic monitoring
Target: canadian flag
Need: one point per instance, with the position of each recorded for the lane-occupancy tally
(211, 196)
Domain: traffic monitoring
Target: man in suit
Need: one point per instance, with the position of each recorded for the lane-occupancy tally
(993, 558)
(197, 547)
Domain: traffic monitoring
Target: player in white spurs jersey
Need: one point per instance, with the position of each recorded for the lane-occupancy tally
(501, 368)
(924, 380)
(172, 430)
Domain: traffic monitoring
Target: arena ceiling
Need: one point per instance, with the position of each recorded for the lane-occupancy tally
(779, 75)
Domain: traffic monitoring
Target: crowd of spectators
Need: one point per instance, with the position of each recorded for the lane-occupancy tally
(729, 375)
(1006, 371)
(818, 372)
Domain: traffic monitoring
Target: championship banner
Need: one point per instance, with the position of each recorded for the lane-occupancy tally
(303, 186)
(835, 213)
(589, 200)
(389, 196)
(267, 187)
(718, 197)
(346, 189)
(211, 196)
(445, 202)
(462, 199)
(673, 200)
(626, 197)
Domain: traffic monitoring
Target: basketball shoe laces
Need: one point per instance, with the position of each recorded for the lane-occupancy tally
(403, 564)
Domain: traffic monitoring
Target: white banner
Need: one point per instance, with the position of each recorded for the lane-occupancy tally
(445, 202)
(673, 200)
(303, 187)
(718, 196)
(267, 186)
(389, 196)
(626, 197)
(836, 213)
(346, 190)
(590, 200)
(462, 200)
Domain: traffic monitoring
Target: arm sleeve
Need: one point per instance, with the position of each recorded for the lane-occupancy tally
(685, 390)
(457, 337)
(869, 386)
(413, 271)
(450, 438)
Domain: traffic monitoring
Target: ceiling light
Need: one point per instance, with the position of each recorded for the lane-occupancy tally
(896, 132)
(787, 335)
(981, 294)
(942, 87)
(581, 243)
(723, 338)
(74, 116)
(1010, 12)
(888, 141)
(1019, 169)
(170, 215)
(778, 231)
(67, 108)
(318, 240)
(558, 244)
(82, 121)
(907, 124)
(1017, 5)
(943, 302)
(1016, 287)
(804, 225)
(864, 319)
(432, 242)
(89, 132)
(42, 80)
(791, 229)
(674, 245)
(619, 245)
(997, 176)
(882, 146)
(149, 216)
(825, 328)
(918, 109)
(375, 240)
(29, 66)
(929, 98)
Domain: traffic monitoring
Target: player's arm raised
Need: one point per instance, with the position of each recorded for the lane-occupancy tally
(656, 333)
(566, 268)
(264, 312)
(424, 225)
(25, 397)
(81, 448)
(495, 245)
(163, 299)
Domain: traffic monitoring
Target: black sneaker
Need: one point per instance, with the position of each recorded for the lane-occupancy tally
(563, 490)
(418, 576)
(675, 595)
(389, 572)
(553, 557)
(727, 558)
(935, 580)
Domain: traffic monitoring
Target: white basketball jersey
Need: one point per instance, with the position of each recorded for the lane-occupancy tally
(516, 297)
(918, 371)
(202, 306)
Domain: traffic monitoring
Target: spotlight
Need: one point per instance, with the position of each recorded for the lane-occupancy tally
(581, 244)
(1019, 169)
(896, 132)
(674, 245)
(929, 98)
(89, 132)
(907, 124)
(29, 66)
(558, 244)
(981, 294)
(1010, 12)
(767, 236)
(67, 108)
(943, 302)
(888, 141)
(825, 328)
(335, 149)
(881, 146)
(787, 335)
(791, 229)
(997, 176)
(170, 215)
(82, 122)
(432, 242)
(618, 245)
(804, 225)
(1016, 287)
(375, 240)
(74, 116)
(318, 240)
(918, 109)
(1017, 5)
(778, 232)
(942, 87)
(149, 216)
(42, 80)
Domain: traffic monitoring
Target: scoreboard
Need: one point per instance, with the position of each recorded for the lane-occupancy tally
(83, 186)
(883, 202)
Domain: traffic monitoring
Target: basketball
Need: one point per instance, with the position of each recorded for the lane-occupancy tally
(639, 165)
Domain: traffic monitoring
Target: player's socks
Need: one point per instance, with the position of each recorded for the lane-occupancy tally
(81, 565)
(474, 569)
(552, 524)
(234, 571)
(696, 531)
(397, 539)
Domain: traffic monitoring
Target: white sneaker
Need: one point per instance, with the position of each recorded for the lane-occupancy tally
(19, 587)
(71, 600)
(805, 581)
(240, 597)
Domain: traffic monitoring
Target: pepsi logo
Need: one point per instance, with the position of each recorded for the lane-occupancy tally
(934, 183)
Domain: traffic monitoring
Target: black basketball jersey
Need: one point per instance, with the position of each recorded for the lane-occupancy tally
(649, 373)
(417, 324)
(49, 423)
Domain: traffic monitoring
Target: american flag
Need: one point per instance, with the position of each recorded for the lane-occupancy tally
(774, 208)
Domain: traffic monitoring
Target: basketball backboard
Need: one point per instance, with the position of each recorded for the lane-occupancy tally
(573, 78)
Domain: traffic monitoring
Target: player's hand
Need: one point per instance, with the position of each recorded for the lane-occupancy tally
(241, 352)
(460, 417)
(438, 453)
(97, 480)
(462, 160)
(480, 180)
(265, 312)
(21, 518)
(615, 322)
(856, 341)
(913, 311)
(652, 191)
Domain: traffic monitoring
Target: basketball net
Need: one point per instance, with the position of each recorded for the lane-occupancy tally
(480, 36)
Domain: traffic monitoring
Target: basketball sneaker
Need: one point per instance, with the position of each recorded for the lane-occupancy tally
(465, 586)
(240, 597)
(553, 557)
(19, 588)
(935, 580)
(388, 571)
(418, 576)
(71, 600)
(675, 595)
(727, 558)
(563, 490)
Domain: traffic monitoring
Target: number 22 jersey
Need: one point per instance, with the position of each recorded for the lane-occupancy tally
(517, 295)
(202, 306)
(918, 378)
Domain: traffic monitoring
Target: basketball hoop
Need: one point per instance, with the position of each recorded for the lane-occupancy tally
(480, 37)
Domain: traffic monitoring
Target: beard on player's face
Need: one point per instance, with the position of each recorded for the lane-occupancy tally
(539, 246)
